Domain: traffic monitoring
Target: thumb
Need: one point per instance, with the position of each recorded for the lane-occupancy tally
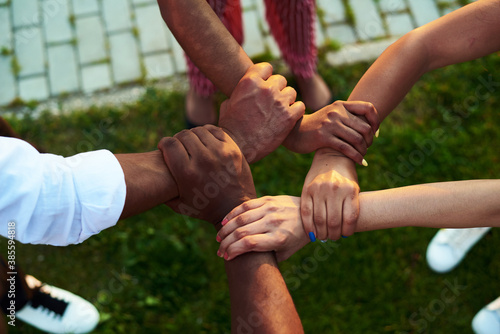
(262, 70)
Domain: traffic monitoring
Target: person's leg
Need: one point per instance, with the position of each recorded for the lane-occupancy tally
(292, 25)
(200, 107)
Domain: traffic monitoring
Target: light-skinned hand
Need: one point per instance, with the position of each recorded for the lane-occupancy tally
(270, 223)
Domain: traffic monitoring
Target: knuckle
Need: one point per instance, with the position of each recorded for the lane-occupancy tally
(240, 221)
(240, 233)
(249, 243)
(281, 239)
(306, 211)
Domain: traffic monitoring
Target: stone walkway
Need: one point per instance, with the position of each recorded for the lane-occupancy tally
(54, 48)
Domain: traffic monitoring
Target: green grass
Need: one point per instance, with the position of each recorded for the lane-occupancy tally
(158, 272)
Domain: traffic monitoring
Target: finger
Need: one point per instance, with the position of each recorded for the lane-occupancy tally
(360, 126)
(217, 132)
(248, 205)
(277, 81)
(334, 217)
(319, 217)
(255, 227)
(206, 136)
(350, 215)
(344, 148)
(365, 109)
(290, 94)
(354, 138)
(192, 143)
(262, 70)
(248, 217)
(306, 212)
(297, 110)
(252, 243)
(174, 154)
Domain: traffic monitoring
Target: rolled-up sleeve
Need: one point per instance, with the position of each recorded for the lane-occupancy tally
(55, 200)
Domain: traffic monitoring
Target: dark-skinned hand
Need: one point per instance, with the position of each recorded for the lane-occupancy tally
(211, 173)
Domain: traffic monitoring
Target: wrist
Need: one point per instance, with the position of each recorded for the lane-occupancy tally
(327, 159)
(227, 208)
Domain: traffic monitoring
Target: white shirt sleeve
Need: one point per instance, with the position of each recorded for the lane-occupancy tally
(56, 200)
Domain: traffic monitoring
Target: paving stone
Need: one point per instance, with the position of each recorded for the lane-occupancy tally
(140, 2)
(5, 29)
(33, 88)
(399, 24)
(368, 22)
(178, 55)
(85, 7)
(117, 14)
(355, 53)
(333, 10)
(319, 36)
(152, 29)
(252, 44)
(272, 46)
(391, 6)
(63, 74)
(124, 57)
(424, 11)
(8, 82)
(96, 77)
(25, 12)
(248, 3)
(159, 66)
(261, 14)
(30, 51)
(56, 21)
(342, 33)
(91, 39)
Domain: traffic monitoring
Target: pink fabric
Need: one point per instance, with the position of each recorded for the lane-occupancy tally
(292, 26)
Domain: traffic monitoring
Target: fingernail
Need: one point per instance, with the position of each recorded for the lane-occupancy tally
(364, 163)
(312, 236)
(219, 254)
(377, 133)
(344, 237)
(224, 221)
(226, 256)
(218, 238)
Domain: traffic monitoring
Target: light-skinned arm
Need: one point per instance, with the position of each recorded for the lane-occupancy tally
(468, 33)
(273, 223)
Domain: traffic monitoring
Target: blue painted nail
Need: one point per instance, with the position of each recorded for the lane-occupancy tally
(312, 236)
(344, 237)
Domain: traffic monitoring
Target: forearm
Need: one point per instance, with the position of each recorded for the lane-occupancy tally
(468, 33)
(148, 180)
(260, 301)
(439, 205)
(206, 41)
(392, 75)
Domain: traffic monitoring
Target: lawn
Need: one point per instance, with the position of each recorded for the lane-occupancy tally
(158, 272)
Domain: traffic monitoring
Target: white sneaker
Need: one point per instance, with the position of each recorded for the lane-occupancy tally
(56, 310)
(487, 321)
(449, 246)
